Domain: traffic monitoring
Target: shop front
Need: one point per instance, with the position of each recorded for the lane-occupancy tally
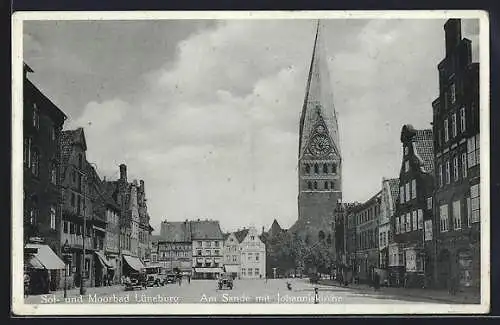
(132, 265)
(44, 267)
(103, 270)
(207, 272)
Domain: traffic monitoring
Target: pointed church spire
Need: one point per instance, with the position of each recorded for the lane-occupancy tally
(318, 99)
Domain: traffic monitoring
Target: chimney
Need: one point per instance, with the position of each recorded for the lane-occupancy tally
(123, 172)
(453, 34)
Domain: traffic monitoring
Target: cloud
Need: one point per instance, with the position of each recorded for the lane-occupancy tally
(214, 130)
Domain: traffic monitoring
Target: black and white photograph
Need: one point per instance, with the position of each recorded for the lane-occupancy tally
(249, 162)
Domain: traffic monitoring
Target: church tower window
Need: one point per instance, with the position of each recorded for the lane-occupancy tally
(325, 168)
(308, 169)
(315, 185)
(309, 185)
(334, 168)
(316, 169)
(326, 185)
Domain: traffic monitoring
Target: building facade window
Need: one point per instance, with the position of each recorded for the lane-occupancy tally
(464, 165)
(454, 125)
(52, 217)
(453, 93)
(447, 172)
(408, 222)
(403, 224)
(27, 152)
(407, 192)
(443, 218)
(406, 150)
(334, 168)
(407, 166)
(53, 174)
(35, 162)
(36, 116)
(455, 168)
(326, 185)
(468, 212)
(457, 218)
(414, 220)
(315, 185)
(475, 203)
(316, 169)
(440, 175)
(308, 169)
(420, 217)
(413, 189)
(472, 152)
(401, 194)
(309, 185)
(462, 119)
(429, 203)
(325, 168)
(445, 129)
(397, 225)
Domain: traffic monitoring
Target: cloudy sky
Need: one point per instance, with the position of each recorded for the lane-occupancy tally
(206, 112)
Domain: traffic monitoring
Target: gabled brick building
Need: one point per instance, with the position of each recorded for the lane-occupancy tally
(42, 125)
(413, 209)
(457, 143)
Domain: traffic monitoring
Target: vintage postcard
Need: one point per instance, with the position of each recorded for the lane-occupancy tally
(178, 163)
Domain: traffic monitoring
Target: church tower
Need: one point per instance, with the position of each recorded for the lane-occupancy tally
(319, 158)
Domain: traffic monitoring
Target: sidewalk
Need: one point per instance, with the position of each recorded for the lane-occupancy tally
(33, 299)
(431, 294)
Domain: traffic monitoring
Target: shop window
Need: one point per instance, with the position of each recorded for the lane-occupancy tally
(465, 268)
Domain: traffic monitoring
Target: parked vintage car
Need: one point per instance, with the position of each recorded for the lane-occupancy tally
(170, 278)
(135, 281)
(225, 282)
(155, 276)
(314, 278)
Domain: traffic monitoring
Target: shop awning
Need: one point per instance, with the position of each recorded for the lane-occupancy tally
(208, 270)
(104, 260)
(231, 268)
(134, 262)
(45, 258)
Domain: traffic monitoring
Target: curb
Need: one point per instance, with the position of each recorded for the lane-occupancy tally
(404, 294)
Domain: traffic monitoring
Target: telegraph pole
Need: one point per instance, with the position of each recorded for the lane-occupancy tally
(82, 268)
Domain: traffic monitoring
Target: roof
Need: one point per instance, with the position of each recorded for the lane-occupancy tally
(226, 236)
(68, 139)
(318, 99)
(241, 234)
(424, 150)
(206, 229)
(394, 188)
(275, 228)
(175, 231)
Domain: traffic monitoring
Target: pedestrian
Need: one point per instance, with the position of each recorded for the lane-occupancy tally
(26, 284)
(189, 278)
(180, 280)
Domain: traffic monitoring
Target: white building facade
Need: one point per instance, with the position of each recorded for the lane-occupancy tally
(253, 256)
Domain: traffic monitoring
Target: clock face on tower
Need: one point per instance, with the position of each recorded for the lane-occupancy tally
(320, 145)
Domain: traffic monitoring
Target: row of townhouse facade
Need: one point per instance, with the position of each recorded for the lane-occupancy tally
(200, 249)
(429, 217)
(68, 208)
